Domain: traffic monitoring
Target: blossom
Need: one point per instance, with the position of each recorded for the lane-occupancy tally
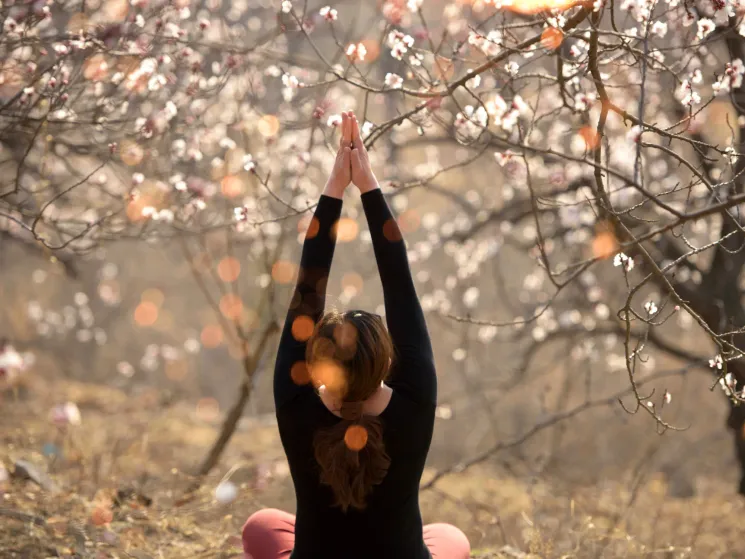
(635, 133)
(731, 79)
(705, 26)
(334, 120)
(488, 44)
(414, 5)
(9, 25)
(329, 13)
(394, 81)
(503, 158)
(240, 213)
(356, 51)
(399, 44)
(10, 361)
(687, 95)
(651, 308)
(731, 154)
(66, 414)
(623, 260)
(716, 363)
(659, 28)
(248, 162)
(286, 6)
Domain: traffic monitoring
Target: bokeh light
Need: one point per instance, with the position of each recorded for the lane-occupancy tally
(529, 7)
(373, 49)
(302, 328)
(604, 244)
(283, 271)
(590, 136)
(96, 68)
(268, 126)
(131, 153)
(231, 186)
(352, 281)
(355, 437)
(231, 306)
(328, 373)
(346, 230)
(409, 221)
(228, 269)
(146, 313)
(391, 231)
(300, 373)
(309, 226)
(211, 336)
(551, 38)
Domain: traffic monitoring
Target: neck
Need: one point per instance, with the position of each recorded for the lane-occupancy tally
(372, 405)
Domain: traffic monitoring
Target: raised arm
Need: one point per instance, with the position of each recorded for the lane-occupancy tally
(309, 298)
(413, 373)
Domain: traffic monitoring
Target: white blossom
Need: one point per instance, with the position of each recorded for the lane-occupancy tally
(394, 81)
(356, 51)
(248, 162)
(705, 26)
(329, 13)
(622, 260)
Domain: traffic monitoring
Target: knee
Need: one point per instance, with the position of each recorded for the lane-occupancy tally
(458, 544)
(258, 526)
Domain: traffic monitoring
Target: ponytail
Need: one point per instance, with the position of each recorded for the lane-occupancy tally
(350, 354)
(352, 459)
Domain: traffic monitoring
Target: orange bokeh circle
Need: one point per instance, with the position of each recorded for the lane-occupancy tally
(229, 268)
(355, 437)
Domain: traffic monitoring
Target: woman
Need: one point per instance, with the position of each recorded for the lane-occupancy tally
(355, 403)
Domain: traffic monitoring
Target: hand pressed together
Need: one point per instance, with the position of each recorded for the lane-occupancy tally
(352, 161)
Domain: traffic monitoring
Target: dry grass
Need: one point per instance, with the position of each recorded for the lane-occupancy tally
(139, 443)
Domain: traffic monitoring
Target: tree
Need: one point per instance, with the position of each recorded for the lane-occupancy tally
(601, 141)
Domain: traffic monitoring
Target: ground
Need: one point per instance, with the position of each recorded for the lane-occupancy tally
(144, 446)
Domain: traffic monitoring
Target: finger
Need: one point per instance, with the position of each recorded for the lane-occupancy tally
(344, 126)
(348, 129)
(356, 139)
(345, 156)
(355, 160)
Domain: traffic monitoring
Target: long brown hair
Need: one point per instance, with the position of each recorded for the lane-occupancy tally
(350, 353)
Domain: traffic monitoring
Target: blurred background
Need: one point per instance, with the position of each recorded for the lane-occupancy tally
(568, 181)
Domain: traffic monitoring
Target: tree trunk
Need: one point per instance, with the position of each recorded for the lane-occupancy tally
(227, 429)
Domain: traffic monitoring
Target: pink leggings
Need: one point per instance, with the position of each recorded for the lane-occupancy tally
(270, 534)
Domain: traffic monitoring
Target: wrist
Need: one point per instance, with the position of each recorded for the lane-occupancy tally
(333, 190)
(368, 186)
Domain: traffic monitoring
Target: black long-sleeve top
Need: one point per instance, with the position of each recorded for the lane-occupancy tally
(391, 524)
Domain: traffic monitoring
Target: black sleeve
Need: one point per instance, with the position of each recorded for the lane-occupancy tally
(413, 373)
(308, 301)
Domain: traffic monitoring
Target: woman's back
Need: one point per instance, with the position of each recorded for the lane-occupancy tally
(356, 474)
(391, 524)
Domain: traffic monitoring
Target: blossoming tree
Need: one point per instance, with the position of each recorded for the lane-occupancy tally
(599, 143)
